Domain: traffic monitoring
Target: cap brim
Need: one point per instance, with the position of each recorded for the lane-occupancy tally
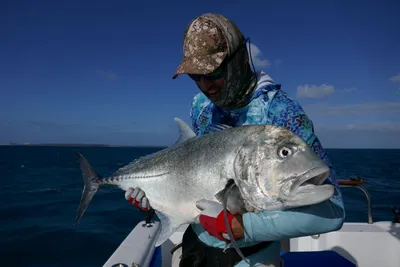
(200, 64)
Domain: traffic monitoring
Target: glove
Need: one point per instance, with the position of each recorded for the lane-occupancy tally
(212, 219)
(137, 197)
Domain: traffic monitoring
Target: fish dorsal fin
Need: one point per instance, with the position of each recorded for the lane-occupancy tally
(185, 132)
(218, 127)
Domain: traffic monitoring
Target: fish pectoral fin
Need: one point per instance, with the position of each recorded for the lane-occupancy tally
(220, 196)
(234, 200)
(168, 227)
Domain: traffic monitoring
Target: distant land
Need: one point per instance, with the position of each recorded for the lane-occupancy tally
(74, 145)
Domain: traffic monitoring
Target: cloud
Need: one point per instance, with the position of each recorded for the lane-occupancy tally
(256, 56)
(353, 109)
(366, 125)
(314, 91)
(109, 75)
(395, 78)
(359, 139)
(348, 90)
(375, 126)
(359, 135)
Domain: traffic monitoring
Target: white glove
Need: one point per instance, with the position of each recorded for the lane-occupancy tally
(138, 198)
(212, 218)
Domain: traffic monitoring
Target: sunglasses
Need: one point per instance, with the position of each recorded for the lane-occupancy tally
(215, 75)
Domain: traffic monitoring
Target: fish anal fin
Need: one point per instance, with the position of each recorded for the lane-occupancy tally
(168, 227)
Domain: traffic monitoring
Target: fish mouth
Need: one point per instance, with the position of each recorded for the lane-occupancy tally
(314, 177)
(309, 188)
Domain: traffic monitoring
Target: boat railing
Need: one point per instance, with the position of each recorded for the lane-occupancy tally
(356, 183)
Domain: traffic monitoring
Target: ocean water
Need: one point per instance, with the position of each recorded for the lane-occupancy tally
(41, 190)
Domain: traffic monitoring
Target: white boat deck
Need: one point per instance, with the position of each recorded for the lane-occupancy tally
(365, 245)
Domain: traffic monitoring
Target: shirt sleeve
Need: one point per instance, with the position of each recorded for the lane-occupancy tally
(320, 218)
(200, 113)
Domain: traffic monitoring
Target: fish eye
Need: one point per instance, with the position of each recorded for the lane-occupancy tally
(284, 152)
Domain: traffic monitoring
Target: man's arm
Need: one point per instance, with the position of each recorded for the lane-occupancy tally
(324, 217)
(200, 113)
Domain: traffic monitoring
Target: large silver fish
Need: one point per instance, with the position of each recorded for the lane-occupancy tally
(271, 168)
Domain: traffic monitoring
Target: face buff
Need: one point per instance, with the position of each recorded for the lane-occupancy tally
(239, 79)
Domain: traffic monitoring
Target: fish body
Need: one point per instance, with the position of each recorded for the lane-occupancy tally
(271, 168)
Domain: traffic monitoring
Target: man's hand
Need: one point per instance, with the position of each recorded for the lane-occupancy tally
(137, 197)
(212, 219)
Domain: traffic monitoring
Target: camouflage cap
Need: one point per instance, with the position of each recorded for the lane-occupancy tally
(210, 39)
(204, 47)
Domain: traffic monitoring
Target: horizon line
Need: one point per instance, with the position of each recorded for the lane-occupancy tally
(146, 146)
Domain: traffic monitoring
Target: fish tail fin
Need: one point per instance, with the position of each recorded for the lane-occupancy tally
(90, 187)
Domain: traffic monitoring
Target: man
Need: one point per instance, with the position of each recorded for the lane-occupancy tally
(217, 60)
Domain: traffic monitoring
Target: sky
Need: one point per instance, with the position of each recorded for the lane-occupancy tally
(101, 71)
